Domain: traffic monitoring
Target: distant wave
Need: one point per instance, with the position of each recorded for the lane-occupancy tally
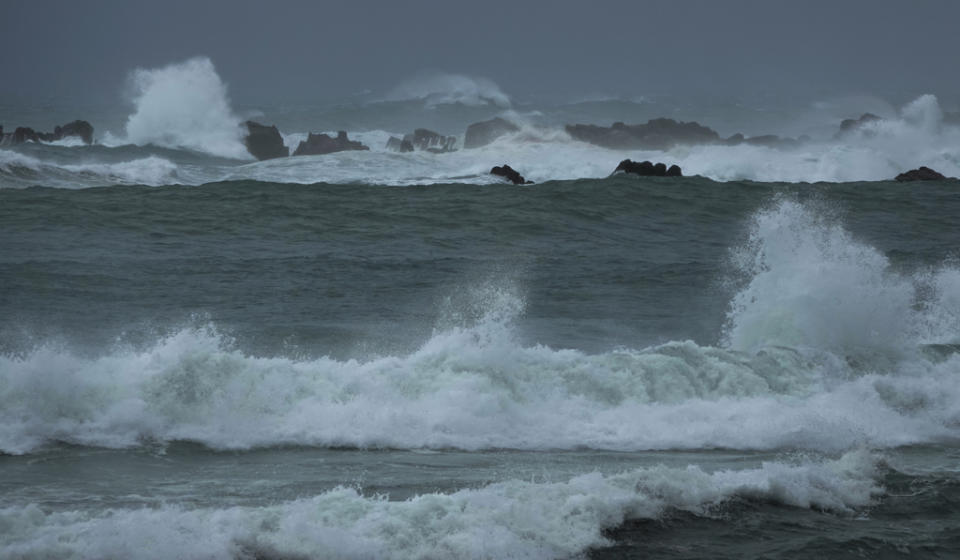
(22, 170)
(436, 89)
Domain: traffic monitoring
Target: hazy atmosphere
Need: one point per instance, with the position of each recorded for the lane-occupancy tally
(325, 50)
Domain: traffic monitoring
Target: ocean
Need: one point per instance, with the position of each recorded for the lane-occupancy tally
(372, 354)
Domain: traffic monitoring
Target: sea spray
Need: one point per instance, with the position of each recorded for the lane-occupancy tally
(437, 88)
(812, 285)
(185, 105)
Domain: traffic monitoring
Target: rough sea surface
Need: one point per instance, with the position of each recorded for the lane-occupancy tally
(379, 355)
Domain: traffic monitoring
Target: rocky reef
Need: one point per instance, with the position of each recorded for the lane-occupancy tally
(423, 140)
(78, 128)
(319, 144)
(648, 169)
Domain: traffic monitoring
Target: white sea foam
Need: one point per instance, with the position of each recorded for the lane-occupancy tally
(825, 352)
(511, 519)
(151, 170)
(185, 105)
(11, 160)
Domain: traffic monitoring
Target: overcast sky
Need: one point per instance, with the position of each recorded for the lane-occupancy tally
(323, 50)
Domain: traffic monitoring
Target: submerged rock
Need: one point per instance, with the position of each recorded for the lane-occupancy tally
(656, 134)
(265, 142)
(23, 134)
(920, 174)
(849, 125)
(482, 133)
(395, 144)
(423, 140)
(510, 174)
(80, 129)
(83, 129)
(648, 169)
(319, 144)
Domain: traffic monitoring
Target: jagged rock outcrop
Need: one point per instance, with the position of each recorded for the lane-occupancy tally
(395, 144)
(920, 174)
(656, 134)
(482, 133)
(264, 142)
(21, 134)
(423, 140)
(510, 174)
(83, 129)
(850, 125)
(319, 144)
(648, 169)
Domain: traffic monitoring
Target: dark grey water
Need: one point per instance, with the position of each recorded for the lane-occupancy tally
(615, 367)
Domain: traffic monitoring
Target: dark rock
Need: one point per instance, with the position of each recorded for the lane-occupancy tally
(921, 174)
(423, 140)
(734, 140)
(656, 134)
(428, 140)
(766, 140)
(510, 174)
(397, 145)
(648, 169)
(22, 134)
(482, 133)
(772, 141)
(850, 125)
(83, 129)
(25, 134)
(319, 144)
(264, 142)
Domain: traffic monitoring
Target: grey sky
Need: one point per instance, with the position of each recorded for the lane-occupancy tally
(322, 50)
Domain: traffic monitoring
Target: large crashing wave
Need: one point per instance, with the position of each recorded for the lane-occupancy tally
(826, 351)
(185, 105)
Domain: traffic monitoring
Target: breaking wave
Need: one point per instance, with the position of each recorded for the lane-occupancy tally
(827, 348)
(437, 89)
(511, 519)
(21, 170)
(184, 105)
